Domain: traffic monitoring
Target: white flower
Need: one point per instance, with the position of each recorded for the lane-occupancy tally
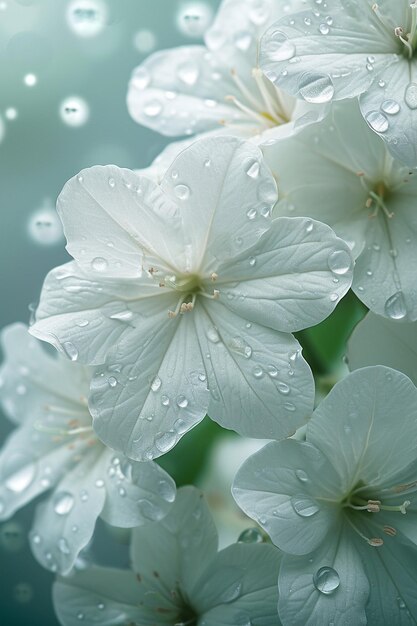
(199, 89)
(343, 505)
(347, 48)
(177, 578)
(351, 182)
(187, 292)
(55, 449)
(377, 340)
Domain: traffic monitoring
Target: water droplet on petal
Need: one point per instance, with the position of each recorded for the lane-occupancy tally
(395, 306)
(258, 371)
(182, 402)
(283, 388)
(326, 580)
(316, 88)
(166, 490)
(304, 506)
(213, 335)
(182, 192)
(391, 107)
(165, 400)
(188, 73)
(21, 478)
(377, 121)
(251, 535)
(156, 384)
(301, 475)
(411, 96)
(70, 350)
(63, 546)
(280, 48)
(252, 168)
(339, 262)
(252, 213)
(165, 441)
(112, 381)
(152, 108)
(99, 264)
(63, 502)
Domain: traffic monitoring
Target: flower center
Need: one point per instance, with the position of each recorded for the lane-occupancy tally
(406, 34)
(357, 501)
(188, 287)
(377, 199)
(264, 103)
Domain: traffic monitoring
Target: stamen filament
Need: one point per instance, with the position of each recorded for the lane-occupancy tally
(61, 432)
(380, 204)
(258, 76)
(256, 116)
(375, 542)
(244, 90)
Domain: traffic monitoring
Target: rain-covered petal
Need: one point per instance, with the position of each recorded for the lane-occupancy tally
(239, 587)
(253, 370)
(136, 493)
(65, 523)
(370, 405)
(378, 340)
(297, 261)
(116, 221)
(99, 595)
(153, 388)
(84, 317)
(175, 550)
(181, 92)
(31, 380)
(335, 52)
(326, 587)
(206, 179)
(292, 491)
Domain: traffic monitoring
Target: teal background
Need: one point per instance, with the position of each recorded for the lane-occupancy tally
(38, 154)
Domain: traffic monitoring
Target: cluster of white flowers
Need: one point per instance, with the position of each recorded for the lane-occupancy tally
(187, 281)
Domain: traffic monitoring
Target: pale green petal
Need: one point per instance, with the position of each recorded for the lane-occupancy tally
(182, 92)
(136, 493)
(109, 597)
(378, 340)
(291, 278)
(252, 371)
(310, 595)
(239, 587)
(84, 317)
(153, 388)
(117, 222)
(292, 491)
(367, 427)
(65, 523)
(176, 549)
(226, 193)
(32, 381)
(338, 51)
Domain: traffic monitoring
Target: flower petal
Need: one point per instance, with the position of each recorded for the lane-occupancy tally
(253, 371)
(84, 318)
(239, 586)
(101, 595)
(136, 493)
(175, 549)
(337, 60)
(116, 221)
(31, 380)
(378, 340)
(226, 193)
(355, 426)
(391, 111)
(291, 490)
(181, 92)
(153, 388)
(327, 587)
(295, 261)
(65, 523)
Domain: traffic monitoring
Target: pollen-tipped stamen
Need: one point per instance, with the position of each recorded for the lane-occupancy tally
(245, 109)
(259, 79)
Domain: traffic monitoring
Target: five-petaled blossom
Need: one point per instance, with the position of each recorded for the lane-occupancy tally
(351, 182)
(177, 578)
(219, 88)
(346, 48)
(187, 292)
(342, 505)
(55, 449)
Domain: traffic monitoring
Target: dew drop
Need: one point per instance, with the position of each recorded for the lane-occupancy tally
(252, 261)
(152, 108)
(99, 264)
(411, 96)
(391, 107)
(213, 335)
(252, 168)
(188, 73)
(339, 262)
(165, 400)
(251, 214)
(166, 491)
(377, 121)
(99, 483)
(63, 502)
(316, 88)
(288, 406)
(21, 479)
(74, 111)
(63, 546)
(326, 580)
(141, 78)
(272, 371)
(112, 381)
(258, 371)
(324, 29)
(301, 475)
(182, 402)
(283, 388)
(156, 384)
(280, 48)
(395, 306)
(251, 535)
(304, 506)
(165, 441)
(182, 192)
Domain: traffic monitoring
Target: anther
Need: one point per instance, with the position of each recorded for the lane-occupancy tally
(214, 276)
(376, 542)
(389, 530)
(216, 294)
(373, 506)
